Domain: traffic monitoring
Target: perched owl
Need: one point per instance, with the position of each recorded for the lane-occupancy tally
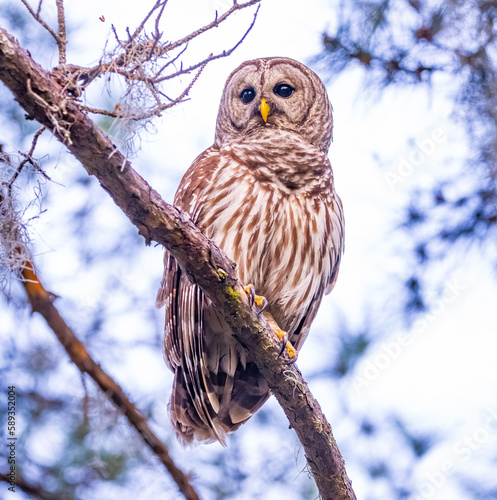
(264, 193)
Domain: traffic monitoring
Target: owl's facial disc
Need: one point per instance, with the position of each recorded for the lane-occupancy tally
(274, 93)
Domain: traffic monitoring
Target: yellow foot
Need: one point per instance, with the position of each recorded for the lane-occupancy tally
(283, 338)
(261, 302)
(258, 300)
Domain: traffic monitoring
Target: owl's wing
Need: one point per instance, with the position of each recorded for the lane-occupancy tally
(337, 238)
(183, 348)
(214, 390)
(184, 310)
(176, 292)
(337, 242)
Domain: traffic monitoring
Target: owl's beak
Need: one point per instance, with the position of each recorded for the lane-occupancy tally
(264, 109)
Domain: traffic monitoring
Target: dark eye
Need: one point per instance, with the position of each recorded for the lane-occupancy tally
(247, 95)
(283, 90)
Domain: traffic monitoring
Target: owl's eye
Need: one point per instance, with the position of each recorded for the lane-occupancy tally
(247, 95)
(283, 90)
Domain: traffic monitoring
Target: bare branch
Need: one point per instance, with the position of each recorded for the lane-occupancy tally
(119, 113)
(36, 15)
(32, 489)
(224, 53)
(158, 4)
(28, 158)
(203, 261)
(42, 302)
(104, 112)
(39, 8)
(157, 20)
(214, 24)
(62, 37)
(142, 60)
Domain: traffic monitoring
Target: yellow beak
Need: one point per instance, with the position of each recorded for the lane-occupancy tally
(264, 109)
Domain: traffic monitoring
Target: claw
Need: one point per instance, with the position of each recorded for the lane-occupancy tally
(250, 291)
(261, 302)
(258, 300)
(283, 338)
(292, 353)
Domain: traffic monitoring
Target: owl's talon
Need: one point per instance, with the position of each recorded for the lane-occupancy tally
(250, 291)
(258, 300)
(292, 353)
(282, 337)
(285, 344)
(261, 302)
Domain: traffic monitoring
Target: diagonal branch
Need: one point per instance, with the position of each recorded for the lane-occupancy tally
(36, 15)
(32, 489)
(211, 57)
(203, 261)
(213, 24)
(42, 302)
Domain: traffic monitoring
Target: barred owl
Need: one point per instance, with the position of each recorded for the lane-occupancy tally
(264, 193)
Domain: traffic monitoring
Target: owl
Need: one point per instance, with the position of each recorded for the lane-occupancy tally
(264, 193)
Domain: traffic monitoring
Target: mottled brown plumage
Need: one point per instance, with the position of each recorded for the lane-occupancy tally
(264, 193)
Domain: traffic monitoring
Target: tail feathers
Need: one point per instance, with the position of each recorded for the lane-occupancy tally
(236, 399)
(192, 415)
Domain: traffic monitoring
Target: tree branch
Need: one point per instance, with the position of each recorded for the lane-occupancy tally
(33, 490)
(203, 261)
(142, 60)
(214, 24)
(36, 15)
(62, 37)
(42, 302)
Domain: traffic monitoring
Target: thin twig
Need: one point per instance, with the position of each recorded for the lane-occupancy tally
(42, 302)
(156, 39)
(98, 111)
(217, 21)
(27, 158)
(38, 19)
(181, 97)
(151, 81)
(158, 18)
(38, 10)
(211, 57)
(33, 490)
(172, 61)
(147, 17)
(155, 111)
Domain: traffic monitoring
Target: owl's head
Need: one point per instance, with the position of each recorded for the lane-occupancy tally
(275, 92)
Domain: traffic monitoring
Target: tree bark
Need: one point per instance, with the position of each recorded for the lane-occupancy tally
(46, 101)
(42, 302)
